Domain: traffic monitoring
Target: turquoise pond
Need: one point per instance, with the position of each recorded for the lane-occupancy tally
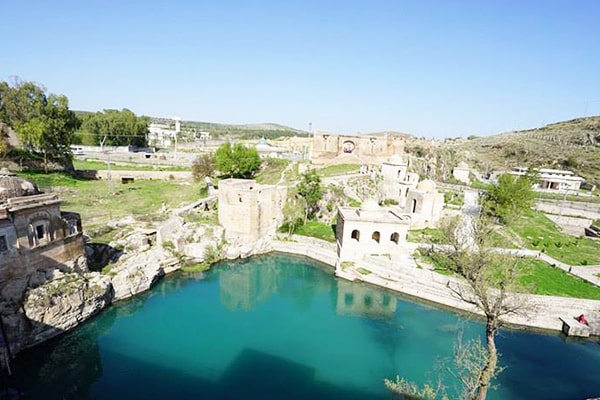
(284, 327)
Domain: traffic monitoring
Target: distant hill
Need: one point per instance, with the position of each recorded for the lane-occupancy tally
(573, 145)
(243, 131)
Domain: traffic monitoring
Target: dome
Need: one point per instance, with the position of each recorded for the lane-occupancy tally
(370, 205)
(426, 186)
(395, 159)
(462, 165)
(13, 186)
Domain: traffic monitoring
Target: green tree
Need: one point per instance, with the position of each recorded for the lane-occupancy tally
(237, 161)
(509, 198)
(294, 211)
(203, 165)
(44, 122)
(116, 128)
(310, 189)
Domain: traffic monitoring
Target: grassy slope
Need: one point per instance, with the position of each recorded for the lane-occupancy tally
(553, 146)
(97, 205)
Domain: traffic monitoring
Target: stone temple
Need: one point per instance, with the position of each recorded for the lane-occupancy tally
(35, 235)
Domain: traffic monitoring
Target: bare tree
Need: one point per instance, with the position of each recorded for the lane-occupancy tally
(490, 284)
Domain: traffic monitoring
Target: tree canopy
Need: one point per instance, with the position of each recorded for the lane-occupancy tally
(510, 197)
(237, 161)
(44, 122)
(116, 128)
(310, 189)
(203, 166)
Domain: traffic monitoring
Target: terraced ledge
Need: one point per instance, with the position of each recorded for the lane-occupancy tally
(400, 274)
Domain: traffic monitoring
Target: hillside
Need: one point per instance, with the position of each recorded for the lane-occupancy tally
(245, 131)
(573, 145)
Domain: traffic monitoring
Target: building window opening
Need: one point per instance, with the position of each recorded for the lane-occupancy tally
(414, 205)
(368, 301)
(406, 194)
(356, 235)
(3, 244)
(395, 237)
(71, 227)
(376, 236)
(39, 232)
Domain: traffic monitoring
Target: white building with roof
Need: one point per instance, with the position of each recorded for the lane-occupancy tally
(554, 180)
(397, 181)
(461, 173)
(369, 229)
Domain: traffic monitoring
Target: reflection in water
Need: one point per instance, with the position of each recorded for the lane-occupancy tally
(244, 288)
(303, 334)
(363, 300)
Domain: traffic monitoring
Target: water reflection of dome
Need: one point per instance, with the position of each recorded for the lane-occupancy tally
(13, 186)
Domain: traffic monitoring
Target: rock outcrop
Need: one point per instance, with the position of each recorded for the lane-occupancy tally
(138, 272)
(63, 302)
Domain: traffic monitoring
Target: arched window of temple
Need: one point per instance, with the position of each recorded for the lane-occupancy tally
(395, 237)
(376, 236)
(356, 235)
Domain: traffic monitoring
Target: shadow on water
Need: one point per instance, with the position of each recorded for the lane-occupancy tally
(95, 362)
(252, 375)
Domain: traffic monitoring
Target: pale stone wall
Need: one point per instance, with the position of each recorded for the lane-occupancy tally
(461, 174)
(249, 211)
(360, 233)
(424, 207)
(368, 149)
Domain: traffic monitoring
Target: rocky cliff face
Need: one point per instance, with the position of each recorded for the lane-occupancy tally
(47, 303)
(60, 304)
(138, 272)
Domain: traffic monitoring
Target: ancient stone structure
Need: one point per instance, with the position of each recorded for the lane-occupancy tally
(34, 233)
(360, 149)
(249, 211)
(369, 229)
(397, 181)
(43, 288)
(461, 173)
(420, 200)
(425, 205)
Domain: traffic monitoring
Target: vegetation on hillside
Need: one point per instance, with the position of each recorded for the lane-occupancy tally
(573, 145)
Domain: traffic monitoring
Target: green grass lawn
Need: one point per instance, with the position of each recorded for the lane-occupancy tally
(271, 170)
(98, 203)
(536, 277)
(82, 165)
(547, 280)
(340, 169)
(317, 230)
(427, 235)
(540, 233)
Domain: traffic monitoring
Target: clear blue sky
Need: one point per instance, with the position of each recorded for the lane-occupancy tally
(431, 68)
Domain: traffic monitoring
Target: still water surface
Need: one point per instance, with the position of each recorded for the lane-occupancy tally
(283, 327)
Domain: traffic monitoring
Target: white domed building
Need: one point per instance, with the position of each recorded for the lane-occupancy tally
(369, 229)
(424, 204)
(397, 181)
